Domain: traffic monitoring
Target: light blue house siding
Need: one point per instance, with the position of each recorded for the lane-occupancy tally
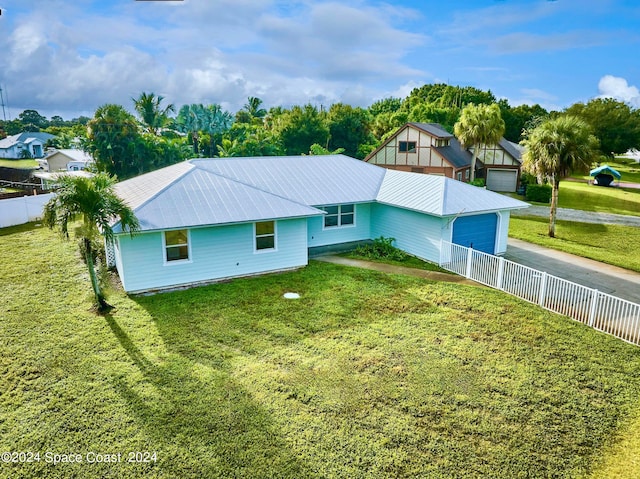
(318, 235)
(215, 253)
(416, 233)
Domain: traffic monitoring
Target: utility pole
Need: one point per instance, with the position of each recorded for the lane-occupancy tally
(4, 115)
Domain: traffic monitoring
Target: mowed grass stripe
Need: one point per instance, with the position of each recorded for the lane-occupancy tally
(367, 375)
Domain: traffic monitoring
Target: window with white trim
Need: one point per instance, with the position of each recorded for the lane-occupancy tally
(176, 245)
(265, 235)
(339, 215)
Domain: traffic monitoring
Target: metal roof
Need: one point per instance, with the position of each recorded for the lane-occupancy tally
(196, 197)
(217, 191)
(312, 180)
(440, 196)
(9, 141)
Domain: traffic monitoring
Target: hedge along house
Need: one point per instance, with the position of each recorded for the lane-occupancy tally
(429, 148)
(206, 220)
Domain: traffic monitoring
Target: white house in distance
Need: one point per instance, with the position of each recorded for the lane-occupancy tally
(66, 160)
(206, 220)
(429, 148)
(27, 144)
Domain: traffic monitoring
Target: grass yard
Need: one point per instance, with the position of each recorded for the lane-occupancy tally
(612, 244)
(366, 376)
(627, 167)
(27, 164)
(581, 196)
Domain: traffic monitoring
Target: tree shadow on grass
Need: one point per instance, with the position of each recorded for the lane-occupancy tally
(199, 420)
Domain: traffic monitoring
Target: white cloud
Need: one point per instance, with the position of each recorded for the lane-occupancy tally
(619, 89)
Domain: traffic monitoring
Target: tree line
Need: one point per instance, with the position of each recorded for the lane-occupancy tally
(159, 134)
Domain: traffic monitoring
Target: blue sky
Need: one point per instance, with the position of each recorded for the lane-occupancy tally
(69, 57)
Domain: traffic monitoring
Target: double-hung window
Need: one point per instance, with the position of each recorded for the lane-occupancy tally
(265, 235)
(176, 245)
(339, 215)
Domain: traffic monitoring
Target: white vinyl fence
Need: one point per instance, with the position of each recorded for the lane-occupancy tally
(612, 315)
(17, 211)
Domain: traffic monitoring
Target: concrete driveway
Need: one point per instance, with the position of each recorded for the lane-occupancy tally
(616, 281)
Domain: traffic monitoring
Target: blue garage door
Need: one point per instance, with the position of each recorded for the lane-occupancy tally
(477, 232)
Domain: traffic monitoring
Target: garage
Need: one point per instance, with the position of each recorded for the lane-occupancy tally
(502, 180)
(477, 232)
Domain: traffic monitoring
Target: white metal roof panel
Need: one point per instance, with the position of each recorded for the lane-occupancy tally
(312, 180)
(200, 198)
(440, 196)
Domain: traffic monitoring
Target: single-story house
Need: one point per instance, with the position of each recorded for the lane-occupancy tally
(204, 220)
(66, 160)
(27, 144)
(429, 148)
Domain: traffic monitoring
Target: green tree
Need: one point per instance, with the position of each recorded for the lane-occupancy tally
(252, 111)
(32, 118)
(113, 139)
(301, 127)
(556, 148)
(613, 122)
(211, 120)
(153, 116)
(479, 125)
(94, 202)
(386, 105)
(348, 128)
(520, 118)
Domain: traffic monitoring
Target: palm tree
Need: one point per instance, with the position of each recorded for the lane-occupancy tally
(556, 148)
(251, 112)
(479, 125)
(94, 201)
(153, 116)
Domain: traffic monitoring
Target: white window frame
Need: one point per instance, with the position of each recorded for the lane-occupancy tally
(255, 237)
(339, 214)
(189, 257)
(466, 174)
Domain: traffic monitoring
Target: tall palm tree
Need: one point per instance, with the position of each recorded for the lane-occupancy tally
(95, 203)
(152, 114)
(479, 125)
(556, 148)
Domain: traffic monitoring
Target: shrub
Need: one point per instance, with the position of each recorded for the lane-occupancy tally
(381, 248)
(538, 193)
(478, 182)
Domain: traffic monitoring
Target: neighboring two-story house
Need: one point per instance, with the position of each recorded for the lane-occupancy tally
(429, 148)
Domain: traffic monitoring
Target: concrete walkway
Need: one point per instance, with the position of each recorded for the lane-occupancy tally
(609, 279)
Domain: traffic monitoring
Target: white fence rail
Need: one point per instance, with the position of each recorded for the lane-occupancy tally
(17, 211)
(612, 315)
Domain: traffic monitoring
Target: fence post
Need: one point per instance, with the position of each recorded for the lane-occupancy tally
(469, 260)
(500, 273)
(543, 288)
(592, 308)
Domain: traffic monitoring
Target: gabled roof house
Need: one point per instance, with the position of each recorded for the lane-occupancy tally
(66, 160)
(29, 144)
(205, 220)
(429, 148)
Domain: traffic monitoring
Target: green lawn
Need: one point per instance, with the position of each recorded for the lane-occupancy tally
(27, 164)
(628, 168)
(581, 196)
(612, 244)
(366, 376)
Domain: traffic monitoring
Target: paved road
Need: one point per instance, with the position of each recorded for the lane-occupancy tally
(581, 216)
(593, 274)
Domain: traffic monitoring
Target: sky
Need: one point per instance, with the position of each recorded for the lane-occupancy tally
(69, 57)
